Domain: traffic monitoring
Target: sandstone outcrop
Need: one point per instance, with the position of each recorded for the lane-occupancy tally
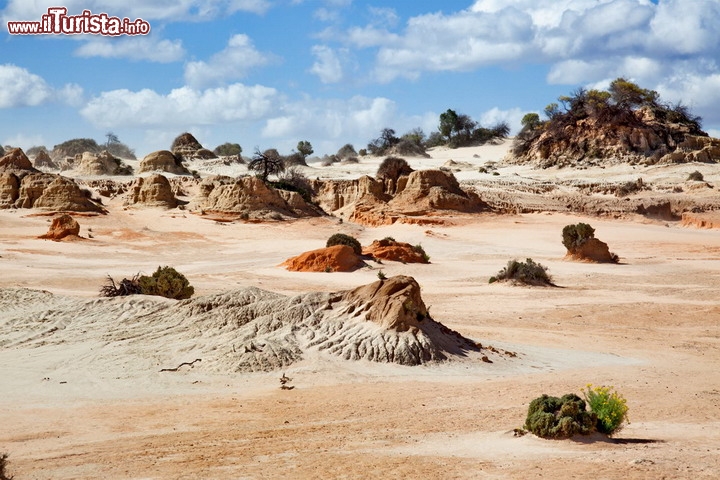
(187, 147)
(16, 160)
(409, 199)
(43, 160)
(102, 163)
(63, 194)
(152, 191)
(388, 249)
(9, 189)
(245, 330)
(701, 220)
(62, 227)
(162, 161)
(250, 197)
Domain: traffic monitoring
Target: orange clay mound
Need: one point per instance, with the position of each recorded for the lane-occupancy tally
(387, 249)
(62, 227)
(338, 258)
(593, 250)
(701, 220)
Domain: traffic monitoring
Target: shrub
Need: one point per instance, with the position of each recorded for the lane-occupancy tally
(381, 275)
(343, 239)
(294, 180)
(696, 176)
(527, 272)
(3, 466)
(228, 149)
(565, 417)
(123, 288)
(609, 406)
(419, 248)
(346, 151)
(166, 282)
(575, 235)
(393, 168)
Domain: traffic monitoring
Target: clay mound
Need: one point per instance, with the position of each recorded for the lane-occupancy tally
(250, 198)
(15, 160)
(387, 249)
(186, 147)
(62, 227)
(43, 160)
(593, 250)
(102, 163)
(239, 331)
(162, 161)
(338, 258)
(689, 219)
(152, 191)
(45, 191)
(9, 189)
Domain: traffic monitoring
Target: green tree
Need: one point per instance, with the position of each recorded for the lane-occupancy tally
(305, 148)
(111, 138)
(626, 94)
(530, 121)
(448, 122)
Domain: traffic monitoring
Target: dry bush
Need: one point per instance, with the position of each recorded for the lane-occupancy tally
(393, 168)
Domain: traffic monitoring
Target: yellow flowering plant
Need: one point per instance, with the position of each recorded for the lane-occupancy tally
(609, 406)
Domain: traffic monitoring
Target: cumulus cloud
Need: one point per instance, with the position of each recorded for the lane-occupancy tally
(147, 10)
(232, 63)
(134, 48)
(182, 106)
(19, 87)
(332, 118)
(495, 116)
(328, 66)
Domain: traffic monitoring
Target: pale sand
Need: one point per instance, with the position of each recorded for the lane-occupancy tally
(648, 326)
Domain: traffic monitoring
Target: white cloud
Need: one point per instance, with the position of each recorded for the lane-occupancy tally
(134, 48)
(19, 87)
(181, 107)
(495, 116)
(384, 16)
(231, 63)
(328, 66)
(332, 118)
(24, 141)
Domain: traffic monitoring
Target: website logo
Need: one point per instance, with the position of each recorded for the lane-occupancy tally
(58, 22)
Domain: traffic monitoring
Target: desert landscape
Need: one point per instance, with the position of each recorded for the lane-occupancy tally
(284, 365)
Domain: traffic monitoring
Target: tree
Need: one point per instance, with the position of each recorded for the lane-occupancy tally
(629, 95)
(448, 120)
(305, 148)
(266, 164)
(383, 143)
(552, 110)
(530, 121)
(111, 138)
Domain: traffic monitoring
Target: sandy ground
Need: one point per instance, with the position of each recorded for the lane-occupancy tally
(648, 326)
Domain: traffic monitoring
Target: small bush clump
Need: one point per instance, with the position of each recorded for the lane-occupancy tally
(564, 417)
(527, 272)
(343, 239)
(3, 468)
(165, 282)
(696, 176)
(575, 235)
(609, 406)
(419, 248)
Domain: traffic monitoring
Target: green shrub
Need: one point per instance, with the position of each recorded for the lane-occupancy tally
(419, 248)
(527, 272)
(575, 235)
(381, 275)
(609, 406)
(343, 239)
(565, 417)
(166, 282)
(696, 176)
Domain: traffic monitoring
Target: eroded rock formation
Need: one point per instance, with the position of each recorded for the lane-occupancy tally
(62, 227)
(338, 258)
(152, 191)
(162, 161)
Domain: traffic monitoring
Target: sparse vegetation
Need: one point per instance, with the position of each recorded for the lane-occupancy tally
(228, 149)
(344, 239)
(266, 163)
(304, 148)
(419, 248)
(527, 272)
(346, 151)
(382, 144)
(294, 180)
(393, 168)
(165, 282)
(460, 130)
(557, 418)
(4, 475)
(574, 236)
(609, 406)
(381, 275)
(696, 176)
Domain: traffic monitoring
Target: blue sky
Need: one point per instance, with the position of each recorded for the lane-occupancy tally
(268, 73)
